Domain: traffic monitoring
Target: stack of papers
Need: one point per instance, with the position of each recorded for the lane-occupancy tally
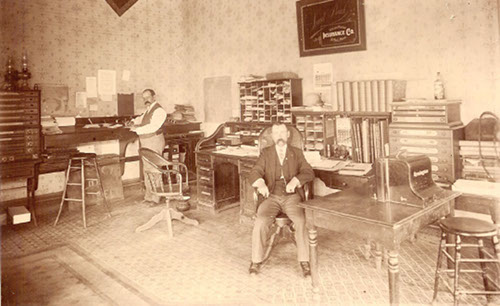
(358, 169)
(489, 189)
(317, 162)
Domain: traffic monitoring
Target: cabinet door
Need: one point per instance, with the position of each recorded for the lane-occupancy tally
(248, 207)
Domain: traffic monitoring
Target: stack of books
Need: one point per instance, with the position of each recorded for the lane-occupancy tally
(369, 139)
(480, 164)
(368, 96)
(186, 110)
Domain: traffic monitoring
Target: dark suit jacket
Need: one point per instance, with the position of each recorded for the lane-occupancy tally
(294, 164)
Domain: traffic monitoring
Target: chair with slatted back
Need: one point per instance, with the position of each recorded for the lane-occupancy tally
(282, 223)
(166, 180)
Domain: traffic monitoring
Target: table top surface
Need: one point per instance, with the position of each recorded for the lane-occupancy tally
(353, 204)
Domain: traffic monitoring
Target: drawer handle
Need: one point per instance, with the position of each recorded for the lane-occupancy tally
(204, 168)
(205, 178)
(206, 193)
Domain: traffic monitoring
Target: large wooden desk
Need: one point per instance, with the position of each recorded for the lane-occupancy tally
(385, 222)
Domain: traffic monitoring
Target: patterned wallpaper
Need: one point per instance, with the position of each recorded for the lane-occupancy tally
(174, 45)
(407, 39)
(67, 41)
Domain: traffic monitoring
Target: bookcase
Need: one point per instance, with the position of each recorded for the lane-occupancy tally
(317, 128)
(368, 95)
(364, 134)
(269, 101)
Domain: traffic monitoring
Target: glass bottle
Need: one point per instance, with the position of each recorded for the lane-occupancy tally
(438, 88)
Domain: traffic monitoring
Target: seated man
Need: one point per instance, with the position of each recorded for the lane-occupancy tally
(278, 172)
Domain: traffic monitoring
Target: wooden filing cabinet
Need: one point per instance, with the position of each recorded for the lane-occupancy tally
(432, 129)
(20, 138)
(218, 182)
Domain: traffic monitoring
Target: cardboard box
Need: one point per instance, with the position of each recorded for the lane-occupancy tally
(19, 214)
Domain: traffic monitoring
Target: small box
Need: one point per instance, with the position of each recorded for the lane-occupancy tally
(19, 214)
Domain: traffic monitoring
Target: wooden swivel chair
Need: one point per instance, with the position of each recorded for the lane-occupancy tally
(282, 223)
(166, 180)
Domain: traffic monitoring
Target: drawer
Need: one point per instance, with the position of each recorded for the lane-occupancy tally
(419, 132)
(205, 194)
(204, 160)
(11, 172)
(421, 141)
(206, 180)
(436, 151)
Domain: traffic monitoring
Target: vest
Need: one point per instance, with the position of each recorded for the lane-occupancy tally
(147, 120)
(279, 184)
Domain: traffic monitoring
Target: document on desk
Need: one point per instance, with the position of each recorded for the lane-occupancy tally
(490, 189)
(317, 162)
(239, 151)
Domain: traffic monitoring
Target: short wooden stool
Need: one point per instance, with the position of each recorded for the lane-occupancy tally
(466, 227)
(77, 162)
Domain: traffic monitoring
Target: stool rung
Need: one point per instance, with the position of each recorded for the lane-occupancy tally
(74, 184)
(478, 292)
(91, 179)
(478, 260)
(69, 199)
(75, 167)
(92, 193)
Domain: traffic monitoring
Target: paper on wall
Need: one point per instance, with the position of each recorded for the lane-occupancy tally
(322, 75)
(91, 87)
(106, 98)
(81, 99)
(106, 82)
(126, 75)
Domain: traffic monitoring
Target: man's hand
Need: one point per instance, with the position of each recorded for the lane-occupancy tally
(292, 185)
(263, 190)
(261, 186)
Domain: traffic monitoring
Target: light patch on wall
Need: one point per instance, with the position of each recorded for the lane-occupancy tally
(217, 98)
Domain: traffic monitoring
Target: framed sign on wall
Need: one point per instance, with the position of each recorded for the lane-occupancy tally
(330, 26)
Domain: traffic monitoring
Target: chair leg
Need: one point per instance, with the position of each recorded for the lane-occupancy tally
(458, 256)
(480, 249)
(177, 215)
(101, 188)
(155, 219)
(168, 217)
(64, 192)
(442, 245)
(83, 192)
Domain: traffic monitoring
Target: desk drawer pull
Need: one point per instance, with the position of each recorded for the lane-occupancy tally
(205, 168)
(206, 193)
(204, 178)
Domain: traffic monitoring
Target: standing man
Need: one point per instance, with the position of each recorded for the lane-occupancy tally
(278, 172)
(149, 128)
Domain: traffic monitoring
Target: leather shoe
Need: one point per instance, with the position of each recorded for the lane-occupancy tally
(306, 269)
(254, 268)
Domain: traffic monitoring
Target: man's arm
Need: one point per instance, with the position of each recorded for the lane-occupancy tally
(305, 173)
(156, 123)
(256, 176)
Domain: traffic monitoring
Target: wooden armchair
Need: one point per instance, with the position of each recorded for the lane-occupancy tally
(281, 222)
(166, 180)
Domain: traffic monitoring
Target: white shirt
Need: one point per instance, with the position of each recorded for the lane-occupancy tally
(281, 151)
(156, 123)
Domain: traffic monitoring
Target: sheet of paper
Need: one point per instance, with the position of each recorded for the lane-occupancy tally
(106, 82)
(126, 75)
(65, 121)
(322, 75)
(106, 98)
(91, 87)
(81, 99)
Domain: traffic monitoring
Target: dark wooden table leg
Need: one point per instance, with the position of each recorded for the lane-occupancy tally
(313, 255)
(393, 268)
(30, 189)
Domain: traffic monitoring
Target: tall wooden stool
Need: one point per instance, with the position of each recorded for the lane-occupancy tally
(80, 161)
(467, 227)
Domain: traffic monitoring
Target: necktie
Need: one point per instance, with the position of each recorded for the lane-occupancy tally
(281, 155)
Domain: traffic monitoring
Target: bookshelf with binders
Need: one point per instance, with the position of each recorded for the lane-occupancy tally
(368, 95)
(369, 137)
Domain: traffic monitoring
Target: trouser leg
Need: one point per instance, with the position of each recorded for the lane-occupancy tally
(296, 214)
(266, 213)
